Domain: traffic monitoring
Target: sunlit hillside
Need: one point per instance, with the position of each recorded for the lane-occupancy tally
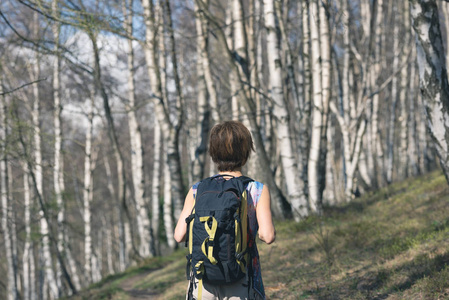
(391, 244)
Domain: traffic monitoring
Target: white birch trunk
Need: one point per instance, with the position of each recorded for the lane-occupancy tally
(175, 162)
(280, 206)
(137, 165)
(317, 117)
(13, 221)
(231, 42)
(48, 265)
(326, 71)
(203, 112)
(405, 100)
(58, 173)
(118, 212)
(12, 292)
(167, 208)
(433, 76)
(206, 63)
(97, 258)
(330, 195)
(413, 138)
(378, 166)
(156, 182)
(161, 106)
(109, 251)
(295, 186)
(87, 191)
(394, 98)
(305, 106)
(27, 250)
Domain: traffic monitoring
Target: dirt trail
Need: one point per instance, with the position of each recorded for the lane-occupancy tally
(128, 286)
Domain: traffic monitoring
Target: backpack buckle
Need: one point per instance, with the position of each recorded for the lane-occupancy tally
(210, 243)
(239, 256)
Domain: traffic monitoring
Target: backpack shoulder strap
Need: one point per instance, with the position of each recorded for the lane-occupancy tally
(245, 180)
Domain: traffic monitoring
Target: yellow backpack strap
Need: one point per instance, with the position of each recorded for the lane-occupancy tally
(199, 267)
(210, 239)
(241, 234)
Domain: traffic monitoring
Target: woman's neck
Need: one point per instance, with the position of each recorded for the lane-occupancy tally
(235, 173)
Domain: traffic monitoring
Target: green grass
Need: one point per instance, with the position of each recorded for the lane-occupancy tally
(388, 244)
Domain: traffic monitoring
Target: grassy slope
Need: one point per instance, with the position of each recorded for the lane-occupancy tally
(392, 244)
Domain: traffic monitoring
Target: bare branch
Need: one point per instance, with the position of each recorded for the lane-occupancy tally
(22, 86)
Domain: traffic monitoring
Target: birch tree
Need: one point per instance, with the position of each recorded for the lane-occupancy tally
(137, 166)
(119, 217)
(156, 185)
(319, 107)
(44, 230)
(203, 118)
(433, 75)
(281, 208)
(162, 112)
(394, 100)
(13, 292)
(87, 194)
(295, 187)
(29, 289)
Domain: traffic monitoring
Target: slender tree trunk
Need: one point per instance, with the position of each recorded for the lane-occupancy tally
(137, 166)
(44, 231)
(330, 194)
(280, 207)
(175, 162)
(305, 105)
(317, 116)
(326, 74)
(156, 180)
(58, 169)
(161, 106)
(109, 248)
(120, 216)
(12, 292)
(203, 113)
(378, 166)
(413, 138)
(394, 99)
(87, 191)
(295, 187)
(433, 75)
(206, 63)
(404, 159)
(168, 216)
(27, 249)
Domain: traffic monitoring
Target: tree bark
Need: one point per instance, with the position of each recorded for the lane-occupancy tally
(280, 206)
(404, 95)
(202, 125)
(162, 113)
(295, 187)
(87, 195)
(44, 230)
(313, 170)
(167, 209)
(27, 249)
(120, 216)
(12, 291)
(394, 99)
(146, 247)
(433, 76)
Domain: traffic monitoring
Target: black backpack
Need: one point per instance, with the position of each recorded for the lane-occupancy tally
(217, 231)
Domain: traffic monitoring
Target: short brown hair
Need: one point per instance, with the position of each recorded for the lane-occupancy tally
(230, 145)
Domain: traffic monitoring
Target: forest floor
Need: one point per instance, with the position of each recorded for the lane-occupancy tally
(388, 244)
